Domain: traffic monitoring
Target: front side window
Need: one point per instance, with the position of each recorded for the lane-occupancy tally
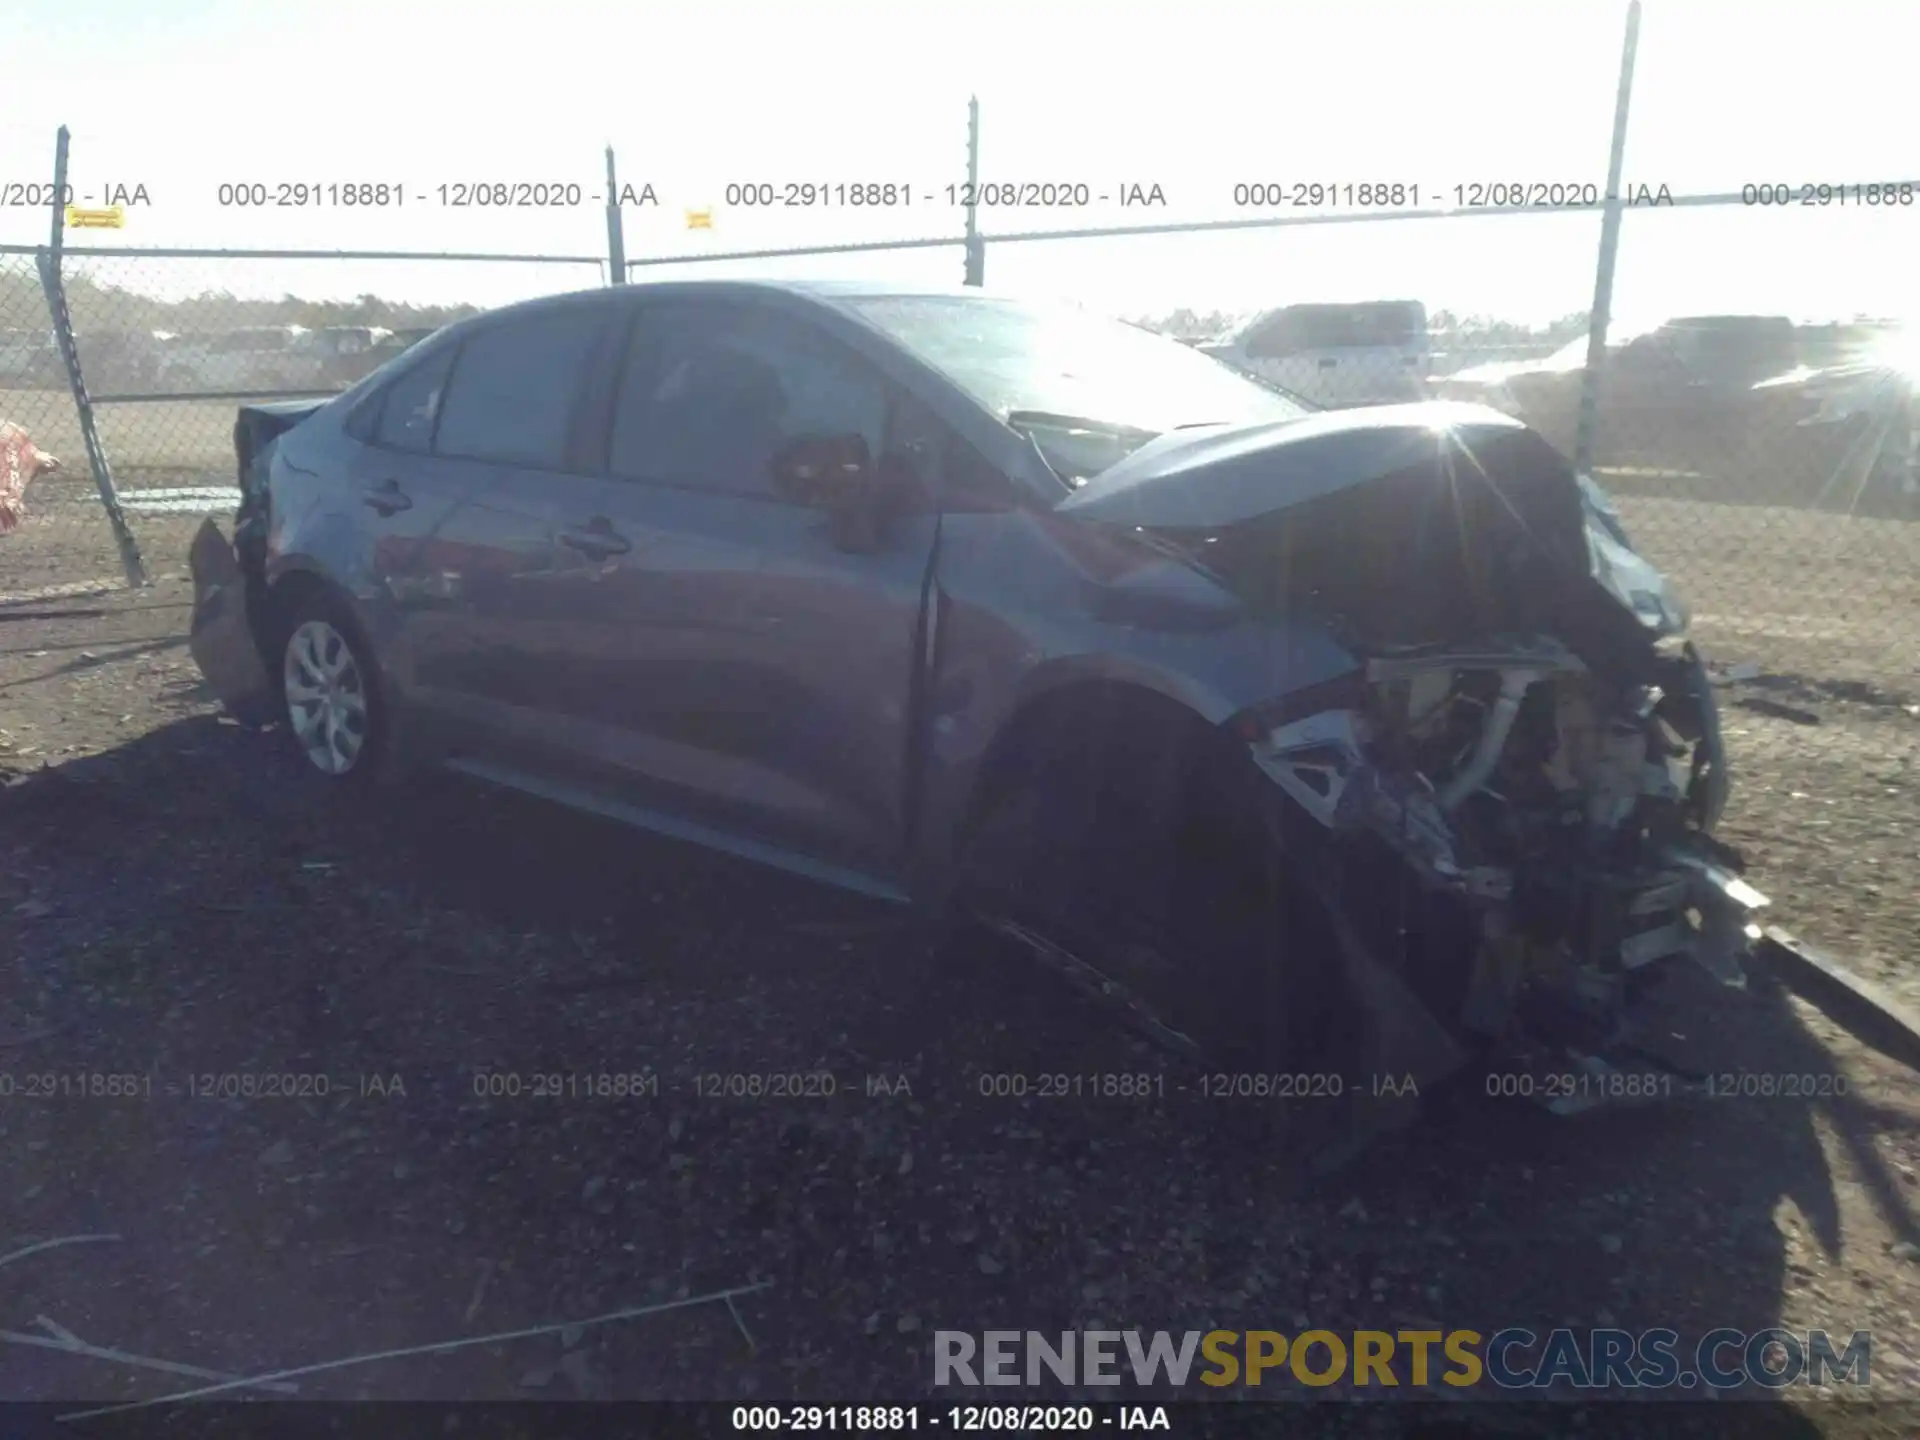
(413, 403)
(711, 392)
(511, 397)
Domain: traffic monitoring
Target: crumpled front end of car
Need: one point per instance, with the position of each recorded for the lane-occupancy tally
(1564, 814)
(1511, 799)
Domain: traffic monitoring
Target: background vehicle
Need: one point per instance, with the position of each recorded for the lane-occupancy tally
(390, 344)
(337, 355)
(1374, 353)
(939, 596)
(120, 360)
(1691, 367)
(258, 357)
(1736, 407)
(31, 358)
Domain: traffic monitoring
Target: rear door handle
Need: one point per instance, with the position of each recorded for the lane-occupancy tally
(596, 540)
(388, 498)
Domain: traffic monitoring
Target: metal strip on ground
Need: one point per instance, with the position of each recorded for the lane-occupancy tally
(1869, 1010)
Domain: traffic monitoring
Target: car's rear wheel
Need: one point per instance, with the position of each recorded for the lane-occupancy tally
(329, 688)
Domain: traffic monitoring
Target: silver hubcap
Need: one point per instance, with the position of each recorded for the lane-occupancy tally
(326, 697)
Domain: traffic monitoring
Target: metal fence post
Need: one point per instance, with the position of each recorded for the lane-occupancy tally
(55, 288)
(976, 271)
(616, 232)
(1609, 250)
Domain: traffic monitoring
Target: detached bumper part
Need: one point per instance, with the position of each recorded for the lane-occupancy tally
(1320, 763)
(1726, 906)
(221, 637)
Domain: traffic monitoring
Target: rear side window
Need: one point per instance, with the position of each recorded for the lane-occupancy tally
(511, 399)
(412, 405)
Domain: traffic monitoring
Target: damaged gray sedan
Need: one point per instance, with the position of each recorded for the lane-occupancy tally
(1310, 739)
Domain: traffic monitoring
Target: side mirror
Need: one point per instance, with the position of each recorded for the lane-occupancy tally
(839, 474)
(830, 472)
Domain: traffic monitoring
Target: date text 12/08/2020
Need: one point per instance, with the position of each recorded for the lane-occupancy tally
(59, 1085)
(742, 194)
(1472, 195)
(452, 195)
(986, 194)
(1019, 1419)
(1213, 1085)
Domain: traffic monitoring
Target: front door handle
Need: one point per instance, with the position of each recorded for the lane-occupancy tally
(597, 540)
(388, 498)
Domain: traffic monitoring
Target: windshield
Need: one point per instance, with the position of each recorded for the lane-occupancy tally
(1060, 375)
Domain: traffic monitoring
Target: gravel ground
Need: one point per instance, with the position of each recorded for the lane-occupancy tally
(176, 904)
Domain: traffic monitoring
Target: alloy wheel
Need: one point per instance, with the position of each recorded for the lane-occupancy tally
(326, 697)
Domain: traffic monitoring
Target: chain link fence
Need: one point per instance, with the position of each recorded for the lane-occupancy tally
(1776, 484)
(168, 344)
(1768, 464)
(53, 530)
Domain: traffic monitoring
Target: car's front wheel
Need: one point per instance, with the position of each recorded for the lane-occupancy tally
(330, 690)
(1164, 897)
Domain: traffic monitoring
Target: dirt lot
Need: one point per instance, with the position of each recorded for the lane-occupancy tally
(176, 906)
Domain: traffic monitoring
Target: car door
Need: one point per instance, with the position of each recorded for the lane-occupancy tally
(492, 590)
(745, 670)
(403, 497)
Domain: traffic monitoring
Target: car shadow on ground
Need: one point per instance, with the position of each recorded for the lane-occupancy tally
(188, 907)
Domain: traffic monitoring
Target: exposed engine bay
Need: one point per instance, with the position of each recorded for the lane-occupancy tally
(1568, 815)
(1521, 775)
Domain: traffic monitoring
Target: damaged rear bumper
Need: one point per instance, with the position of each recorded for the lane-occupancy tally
(222, 638)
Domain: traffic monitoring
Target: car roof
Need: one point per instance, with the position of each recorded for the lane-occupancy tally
(832, 293)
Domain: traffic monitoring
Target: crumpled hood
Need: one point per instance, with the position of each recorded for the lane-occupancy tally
(1411, 473)
(1221, 476)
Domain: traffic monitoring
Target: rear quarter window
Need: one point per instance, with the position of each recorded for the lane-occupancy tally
(411, 405)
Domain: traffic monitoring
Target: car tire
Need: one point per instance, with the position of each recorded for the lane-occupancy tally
(331, 695)
(1207, 944)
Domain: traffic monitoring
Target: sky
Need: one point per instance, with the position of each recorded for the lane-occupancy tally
(183, 96)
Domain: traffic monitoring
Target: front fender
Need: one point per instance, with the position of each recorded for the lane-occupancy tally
(1017, 615)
